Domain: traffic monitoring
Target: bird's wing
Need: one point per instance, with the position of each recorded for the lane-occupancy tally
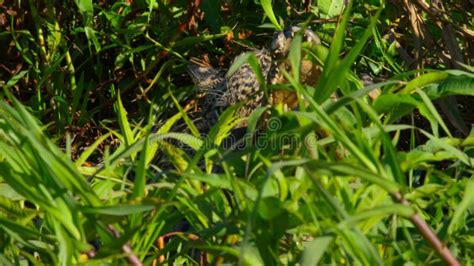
(242, 86)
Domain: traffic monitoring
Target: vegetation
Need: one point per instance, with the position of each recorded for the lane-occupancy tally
(92, 93)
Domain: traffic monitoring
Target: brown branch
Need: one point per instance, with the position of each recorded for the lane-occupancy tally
(428, 234)
(325, 20)
(126, 248)
(417, 27)
(439, 15)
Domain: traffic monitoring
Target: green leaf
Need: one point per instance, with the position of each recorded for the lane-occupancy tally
(92, 37)
(358, 94)
(319, 116)
(140, 169)
(213, 18)
(424, 80)
(336, 44)
(415, 158)
(454, 85)
(89, 150)
(344, 169)
(187, 139)
(123, 121)
(213, 180)
(16, 78)
(397, 105)
(269, 208)
(118, 210)
(433, 112)
(186, 118)
(448, 145)
(331, 8)
(295, 56)
(398, 209)
(334, 74)
(390, 157)
(314, 250)
(267, 8)
(459, 217)
(379, 42)
(8, 192)
(86, 8)
(249, 255)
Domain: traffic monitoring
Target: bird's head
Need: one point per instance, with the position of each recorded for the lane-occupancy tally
(282, 39)
(204, 75)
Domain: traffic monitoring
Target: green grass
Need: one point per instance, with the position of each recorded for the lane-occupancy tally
(93, 93)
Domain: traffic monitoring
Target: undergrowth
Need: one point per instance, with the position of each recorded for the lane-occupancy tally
(92, 93)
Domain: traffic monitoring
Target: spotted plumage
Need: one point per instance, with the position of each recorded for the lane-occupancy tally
(242, 87)
(206, 77)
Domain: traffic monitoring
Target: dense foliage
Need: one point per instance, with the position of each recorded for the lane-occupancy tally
(374, 167)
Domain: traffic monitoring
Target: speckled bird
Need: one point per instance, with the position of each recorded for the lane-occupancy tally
(211, 84)
(242, 87)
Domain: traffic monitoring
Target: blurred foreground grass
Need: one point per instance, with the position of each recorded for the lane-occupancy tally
(91, 91)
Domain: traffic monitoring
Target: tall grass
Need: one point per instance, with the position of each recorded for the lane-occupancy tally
(351, 181)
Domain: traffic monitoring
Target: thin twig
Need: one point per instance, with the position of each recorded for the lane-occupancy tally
(439, 15)
(126, 248)
(428, 234)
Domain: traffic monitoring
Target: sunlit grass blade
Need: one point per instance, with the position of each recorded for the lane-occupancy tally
(423, 80)
(267, 7)
(295, 56)
(89, 150)
(434, 113)
(334, 74)
(314, 250)
(123, 121)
